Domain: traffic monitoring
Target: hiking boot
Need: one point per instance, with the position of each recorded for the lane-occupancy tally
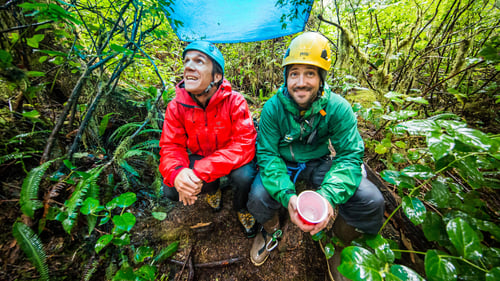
(346, 233)
(214, 200)
(247, 223)
(265, 241)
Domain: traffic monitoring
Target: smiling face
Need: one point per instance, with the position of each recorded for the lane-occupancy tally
(303, 83)
(198, 69)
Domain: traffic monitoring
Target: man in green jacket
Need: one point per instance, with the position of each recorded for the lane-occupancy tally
(307, 132)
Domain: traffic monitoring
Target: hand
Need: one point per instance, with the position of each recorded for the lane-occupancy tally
(187, 199)
(294, 217)
(187, 184)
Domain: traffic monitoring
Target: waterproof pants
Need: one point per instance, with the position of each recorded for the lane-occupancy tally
(364, 210)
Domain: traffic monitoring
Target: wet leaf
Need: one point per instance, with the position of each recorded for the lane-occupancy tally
(493, 274)
(414, 209)
(434, 228)
(122, 240)
(440, 144)
(90, 206)
(359, 264)
(439, 269)
(126, 273)
(146, 272)
(464, 239)
(469, 168)
(102, 242)
(123, 223)
(382, 248)
(142, 253)
(329, 250)
(159, 215)
(439, 195)
(403, 273)
(419, 127)
(396, 178)
(420, 172)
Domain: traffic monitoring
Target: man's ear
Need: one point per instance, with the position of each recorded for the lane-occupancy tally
(217, 77)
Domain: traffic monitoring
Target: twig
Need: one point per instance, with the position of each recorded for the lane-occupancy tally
(213, 264)
(184, 264)
(191, 269)
(25, 26)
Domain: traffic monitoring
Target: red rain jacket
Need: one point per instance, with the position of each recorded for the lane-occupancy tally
(223, 133)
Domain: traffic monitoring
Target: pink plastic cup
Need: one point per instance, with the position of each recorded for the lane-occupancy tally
(312, 207)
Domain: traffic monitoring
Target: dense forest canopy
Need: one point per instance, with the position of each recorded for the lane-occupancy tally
(84, 85)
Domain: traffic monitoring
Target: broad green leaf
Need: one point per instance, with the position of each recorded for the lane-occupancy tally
(146, 272)
(493, 274)
(33, 41)
(123, 223)
(414, 209)
(122, 240)
(419, 127)
(102, 242)
(464, 239)
(439, 269)
(382, 248)
(418, 171)
(329, 250)
(474, 138)
(400, 115)
(126, 273)
(104, 123)
(359, 264)
(68, 164)
(126, 199)
(469, 168)
(439, 195)
(440, 144)
(380, 149)
(490, 227)
(398, 158)
(434, 227)
(166, 252)
(142, 253)
(31, 114)
(105, 219)
(396, 178)
(35, 73)
(90, 206)
(420, 100)
(394, 96)
(399, 272)
(159, 215)
(42, 59)
(400, 144)
(122, 201)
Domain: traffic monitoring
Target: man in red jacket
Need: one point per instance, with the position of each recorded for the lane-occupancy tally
(208, 133)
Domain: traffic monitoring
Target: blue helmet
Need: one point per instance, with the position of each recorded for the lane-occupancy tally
(208, 49)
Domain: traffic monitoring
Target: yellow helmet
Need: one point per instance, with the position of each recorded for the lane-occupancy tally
(309, 48)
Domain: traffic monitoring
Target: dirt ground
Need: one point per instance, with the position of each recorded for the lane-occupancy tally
(297, 257)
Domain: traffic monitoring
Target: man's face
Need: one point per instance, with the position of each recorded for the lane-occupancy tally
(197, 72)
(303, 83)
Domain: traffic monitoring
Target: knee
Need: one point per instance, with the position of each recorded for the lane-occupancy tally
(373, 198)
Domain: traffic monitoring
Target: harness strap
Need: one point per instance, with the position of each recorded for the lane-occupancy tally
(300, 167)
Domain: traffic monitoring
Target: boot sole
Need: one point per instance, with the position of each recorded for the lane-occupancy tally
(259, 263)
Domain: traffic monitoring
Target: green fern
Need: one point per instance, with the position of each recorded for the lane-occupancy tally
(78, 196)
(12, 156)
(32, 247)
(124, 131)
(29, 193)
(126, 166)
(149, 144)
(138, 152)
(149, 131)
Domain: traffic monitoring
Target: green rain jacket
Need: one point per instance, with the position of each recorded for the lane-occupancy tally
(288, 134)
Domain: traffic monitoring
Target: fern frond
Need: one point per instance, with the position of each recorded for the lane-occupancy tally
(150, 131)
(137, 152)
(32, 247)
(126, 166)
(149, 144)
(78, 196)
(122, 148)
(20, 137)
(12, 156)
(124, 131)
(29, 193)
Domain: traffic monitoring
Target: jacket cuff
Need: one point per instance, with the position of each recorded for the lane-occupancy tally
(174, 174)
(286, 197)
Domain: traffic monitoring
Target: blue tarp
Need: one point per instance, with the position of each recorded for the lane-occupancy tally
(232, 21)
